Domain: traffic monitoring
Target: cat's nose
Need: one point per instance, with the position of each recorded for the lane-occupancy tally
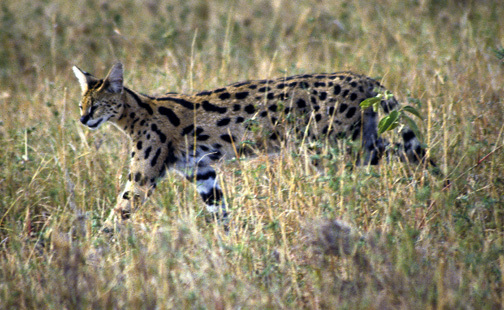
(84, 119)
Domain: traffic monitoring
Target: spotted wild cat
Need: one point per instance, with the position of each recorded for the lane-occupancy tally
(189, 133)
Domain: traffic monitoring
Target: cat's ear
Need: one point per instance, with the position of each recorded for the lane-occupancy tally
(114, 79)
(85, 79)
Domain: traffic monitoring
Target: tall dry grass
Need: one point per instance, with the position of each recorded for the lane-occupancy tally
(410, 243)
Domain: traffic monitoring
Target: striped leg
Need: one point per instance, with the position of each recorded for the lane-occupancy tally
(412, 146)
(209, 189)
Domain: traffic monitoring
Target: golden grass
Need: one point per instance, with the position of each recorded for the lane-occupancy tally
(410, 243)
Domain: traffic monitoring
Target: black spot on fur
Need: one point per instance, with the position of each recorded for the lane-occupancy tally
(223, 122)
(351, 112)
(323, 95)
(301, 103)
(134, 121)
(337, 89)
(250, 109)
(318, 117)
(227, 138)
(215, 155)
(147, 152)
(263, 114)
(172, 117)
(199, 131)
(127, 195)
(139, 145)
(353, 96)
(224, 96)
(155, 158)
(241, 95)
(283, 97)
(236, 107)
(304, 85)
(342, 107)
(187, 130)
(138, 177)
(273, 108)
(319, 84)
(239, 119)
(202, 137)
(264, 89)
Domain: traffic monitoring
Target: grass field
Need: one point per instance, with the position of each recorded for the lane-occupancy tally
(410, 242)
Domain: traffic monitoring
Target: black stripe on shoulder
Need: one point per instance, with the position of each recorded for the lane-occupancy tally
(239, 84)
(139, 101)
(186, 104)
(204, 93)
(207, 106)
(172, 117)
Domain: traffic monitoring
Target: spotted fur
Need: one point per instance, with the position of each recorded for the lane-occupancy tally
(189, 133)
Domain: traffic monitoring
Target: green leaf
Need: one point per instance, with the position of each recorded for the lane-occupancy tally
(413, 111)
(412, 125)
(376, 106)
(389, 122)
(388, 95)
(369, 102)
